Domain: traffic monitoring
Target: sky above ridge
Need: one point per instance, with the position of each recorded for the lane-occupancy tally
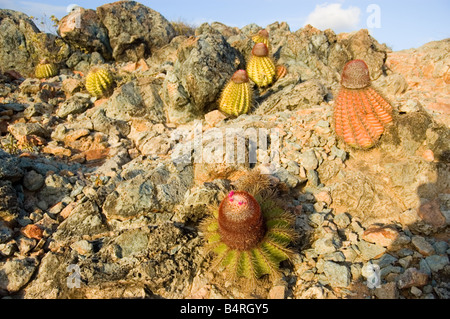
(401, 24)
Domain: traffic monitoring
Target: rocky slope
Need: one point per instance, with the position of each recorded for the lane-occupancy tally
(111, 190)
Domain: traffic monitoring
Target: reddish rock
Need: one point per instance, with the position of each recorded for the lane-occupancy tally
(428, 155)
(387, 291)
(100, 101)
(430, 213)
(381, 235)
(412, 278)
(140, 65)
(57, 150)
(75, 135)
(32, 231)
(65, 212)
(82, 28)
(215, 117)
(325, 197)
(27, 141)
(96, 154)
(71, 86)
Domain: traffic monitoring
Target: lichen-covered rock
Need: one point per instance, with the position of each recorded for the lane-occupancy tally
(16, 30)
(22, 45)
(84, 219)
(295, 95)
(76, 104)
(362, 45)
(83, 30)
(158, 191)
(136, 99)
(322, 54)
(9, 167)
(15, 273)
(204, 65)
(9, 203)
(134, 30)
(19, 130)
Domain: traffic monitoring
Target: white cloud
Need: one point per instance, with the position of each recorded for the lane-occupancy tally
(333, 16)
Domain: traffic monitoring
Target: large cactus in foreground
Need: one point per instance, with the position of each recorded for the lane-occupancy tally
(236, 98)
(249, 235)
(360, 112)
(45, 69)
(99, 82)
(260, 67)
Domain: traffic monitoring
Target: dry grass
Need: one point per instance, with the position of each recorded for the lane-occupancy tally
(183, 28)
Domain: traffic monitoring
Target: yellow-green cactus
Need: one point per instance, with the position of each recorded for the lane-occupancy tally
(45, 70)
(236, 98)
(249, 234)
(262, 37)
(99, 82)
(260, 67)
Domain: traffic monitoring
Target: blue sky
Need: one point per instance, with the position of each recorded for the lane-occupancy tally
(401, 24)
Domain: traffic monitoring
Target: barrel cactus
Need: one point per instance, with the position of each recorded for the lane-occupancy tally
(360, 113)
(236, 98)
(260, 67)
(249, 235)
(99, 82)
(262, 37)
(45, 69)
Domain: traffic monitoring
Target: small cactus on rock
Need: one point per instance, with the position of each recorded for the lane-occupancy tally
(360, 112)
(99, 82)
(236, 98)
(45, 70)
(249, 235)
(260, 67)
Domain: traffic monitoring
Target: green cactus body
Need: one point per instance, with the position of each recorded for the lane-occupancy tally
(248, 236)
(45, 70)
(99, 82)
(260, 67)
(236, 98)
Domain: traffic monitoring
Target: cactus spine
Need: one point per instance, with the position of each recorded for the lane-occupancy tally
(45, 69)
(260, 67)
(360, 112)
(236, 98)
(99, 82)
(249, 235)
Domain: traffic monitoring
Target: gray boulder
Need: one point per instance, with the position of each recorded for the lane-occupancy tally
(192, 87)
(22, 45)
(16, 273)
(16, 29)
(134, 30)
(137, 98)
(158, 191)
(9, 167)
(76, 104)
(82, 29)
